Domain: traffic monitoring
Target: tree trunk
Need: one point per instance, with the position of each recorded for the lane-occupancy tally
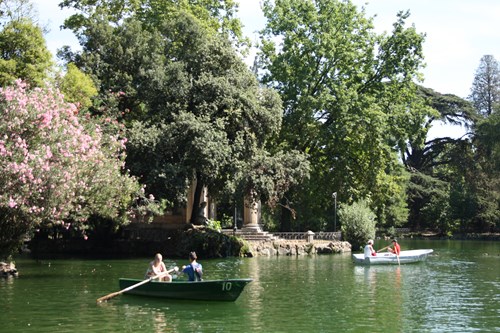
(196, 199)
(285, 218)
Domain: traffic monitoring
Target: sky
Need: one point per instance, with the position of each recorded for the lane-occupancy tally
(458, 34)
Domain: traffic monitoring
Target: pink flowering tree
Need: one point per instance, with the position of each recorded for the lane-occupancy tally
(55, 168)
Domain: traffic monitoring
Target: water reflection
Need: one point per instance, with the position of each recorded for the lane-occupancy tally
(254, 301)
(381, 288)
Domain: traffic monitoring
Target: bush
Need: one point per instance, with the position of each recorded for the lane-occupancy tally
(358, 223)
(56, 169)
(208, 243)
(214, 225)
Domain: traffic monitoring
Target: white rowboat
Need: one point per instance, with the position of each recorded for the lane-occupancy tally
(405, 257)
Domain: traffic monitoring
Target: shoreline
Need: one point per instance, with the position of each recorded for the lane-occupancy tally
(283, 247)
(459, 236)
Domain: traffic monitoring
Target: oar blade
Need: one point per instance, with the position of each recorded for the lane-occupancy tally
(105, 298)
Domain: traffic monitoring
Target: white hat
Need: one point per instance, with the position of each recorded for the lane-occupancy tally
(370, 241)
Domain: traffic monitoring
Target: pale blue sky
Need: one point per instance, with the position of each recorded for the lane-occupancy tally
(459, 33)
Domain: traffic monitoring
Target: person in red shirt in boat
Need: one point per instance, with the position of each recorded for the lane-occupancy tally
(395, 248)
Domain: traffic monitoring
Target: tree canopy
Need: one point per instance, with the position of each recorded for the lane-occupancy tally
(345, 90)
(215, 15)
(485, 91)
(193, 108)
(24, 54)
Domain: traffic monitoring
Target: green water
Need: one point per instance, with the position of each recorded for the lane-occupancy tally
(456, 290)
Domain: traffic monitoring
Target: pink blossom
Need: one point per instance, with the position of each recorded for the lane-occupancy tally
(12, 203)
(45, 119)
(50, 164)
(48, 153)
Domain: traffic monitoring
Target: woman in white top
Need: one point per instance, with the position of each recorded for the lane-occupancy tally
(369, 250)
(156, 267)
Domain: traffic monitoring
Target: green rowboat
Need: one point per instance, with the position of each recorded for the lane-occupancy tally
(207, 290)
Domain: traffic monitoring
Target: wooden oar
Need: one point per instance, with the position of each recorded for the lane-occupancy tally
(105, 298)
(382, 249)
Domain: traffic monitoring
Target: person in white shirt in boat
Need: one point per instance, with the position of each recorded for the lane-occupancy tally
(156, 267)
(369, 250)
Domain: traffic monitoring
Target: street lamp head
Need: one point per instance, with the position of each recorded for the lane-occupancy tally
(334, 194)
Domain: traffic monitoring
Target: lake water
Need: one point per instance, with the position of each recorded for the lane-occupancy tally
(456, 290)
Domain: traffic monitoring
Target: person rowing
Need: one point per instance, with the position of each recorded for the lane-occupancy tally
(157, 267)
(395, 248)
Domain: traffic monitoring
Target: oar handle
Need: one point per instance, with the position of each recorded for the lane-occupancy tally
(105, 298)
(162, 274)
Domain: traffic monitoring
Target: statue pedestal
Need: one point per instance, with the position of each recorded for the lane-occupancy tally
(251, 228)
(251, 216)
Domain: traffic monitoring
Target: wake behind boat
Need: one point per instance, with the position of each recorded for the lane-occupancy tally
(405, 257)
(208, 290)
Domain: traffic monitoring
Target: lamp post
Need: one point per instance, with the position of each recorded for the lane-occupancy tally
(334, 196)
(235, 226)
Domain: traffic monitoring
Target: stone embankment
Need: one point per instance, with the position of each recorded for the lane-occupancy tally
(297, 247)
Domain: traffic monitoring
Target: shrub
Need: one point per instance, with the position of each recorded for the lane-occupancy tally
(358, 223)
(56, 169)
(214, 225)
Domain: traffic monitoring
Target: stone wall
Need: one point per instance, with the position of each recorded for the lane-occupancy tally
(297, 247)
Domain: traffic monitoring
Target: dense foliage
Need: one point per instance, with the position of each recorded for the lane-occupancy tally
(24, 54)
(77, 87)
(193, 109)
(346, 92)
(215, 15)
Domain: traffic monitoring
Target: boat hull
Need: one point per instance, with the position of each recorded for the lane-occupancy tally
(209, 290)
(405, 257)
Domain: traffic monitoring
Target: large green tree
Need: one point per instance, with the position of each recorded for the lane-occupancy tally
(484, 181)
(345, 89)
(193, 108)
(23, 53)
(485, 95)
(485, 91)
(428, 160)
